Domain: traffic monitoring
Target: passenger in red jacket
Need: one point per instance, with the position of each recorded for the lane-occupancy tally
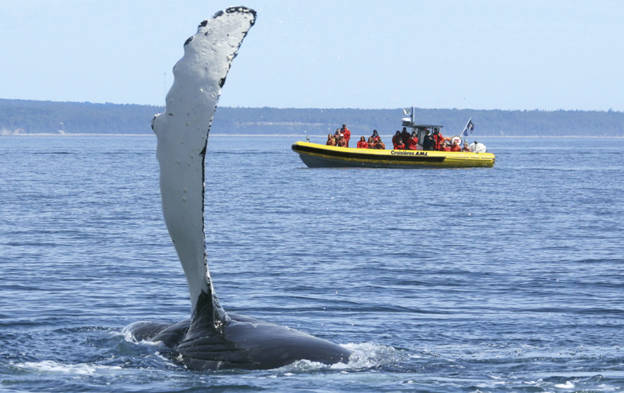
(399, 145)
(362, 144)
(347, 134)
(396, 138)
(375, 136)
(412, 143)
(438, 139)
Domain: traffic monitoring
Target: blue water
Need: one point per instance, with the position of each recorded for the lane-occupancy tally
(509, 279)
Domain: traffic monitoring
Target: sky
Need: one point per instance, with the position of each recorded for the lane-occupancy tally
(478, 54)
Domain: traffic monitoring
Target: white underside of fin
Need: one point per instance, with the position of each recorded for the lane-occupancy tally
(182, 132)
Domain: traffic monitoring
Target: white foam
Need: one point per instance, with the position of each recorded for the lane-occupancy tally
(128, 336)
(366, 355)
(50, 366)
(567, 385)
(363, 356)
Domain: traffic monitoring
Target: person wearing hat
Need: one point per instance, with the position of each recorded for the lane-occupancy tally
(428, 142)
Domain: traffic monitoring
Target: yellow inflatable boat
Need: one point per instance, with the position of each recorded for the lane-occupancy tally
(315, 155)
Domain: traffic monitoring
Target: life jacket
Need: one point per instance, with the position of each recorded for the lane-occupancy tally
(405, 135)
(438, 139)
(362, 145)
(395, 138)
(347, 135)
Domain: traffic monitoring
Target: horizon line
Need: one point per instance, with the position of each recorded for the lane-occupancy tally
(218, 134)
(610, 110)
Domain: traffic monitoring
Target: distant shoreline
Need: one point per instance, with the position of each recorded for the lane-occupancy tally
(47, 117)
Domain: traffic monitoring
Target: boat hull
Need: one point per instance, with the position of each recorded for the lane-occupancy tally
(315, 155)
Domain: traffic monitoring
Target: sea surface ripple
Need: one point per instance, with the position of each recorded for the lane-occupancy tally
(507, 279)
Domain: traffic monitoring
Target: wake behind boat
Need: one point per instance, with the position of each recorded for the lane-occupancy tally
(418, 149)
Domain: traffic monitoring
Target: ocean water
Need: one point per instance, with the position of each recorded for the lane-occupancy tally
(504, 279)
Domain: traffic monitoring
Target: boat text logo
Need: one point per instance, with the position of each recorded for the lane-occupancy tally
(407, 153)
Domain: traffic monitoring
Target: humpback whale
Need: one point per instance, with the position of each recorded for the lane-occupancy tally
(212, 338)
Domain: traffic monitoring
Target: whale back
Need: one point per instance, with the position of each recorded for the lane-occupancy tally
(182, 131)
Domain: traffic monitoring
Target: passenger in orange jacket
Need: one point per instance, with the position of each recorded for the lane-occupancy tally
(347, 134)
(456, 146)
(362, 144)
(399, 145)
(412, 143)
(438, 139)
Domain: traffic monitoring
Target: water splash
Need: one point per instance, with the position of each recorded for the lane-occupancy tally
(364, 356)
(50, 366)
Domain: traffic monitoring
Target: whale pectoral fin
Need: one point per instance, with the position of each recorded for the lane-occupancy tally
(211, 339)
(182, 132)
(207, 318)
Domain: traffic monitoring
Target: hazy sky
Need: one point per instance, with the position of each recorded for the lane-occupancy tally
(480, 54)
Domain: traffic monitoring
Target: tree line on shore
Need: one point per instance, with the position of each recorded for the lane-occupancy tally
(29, 116)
